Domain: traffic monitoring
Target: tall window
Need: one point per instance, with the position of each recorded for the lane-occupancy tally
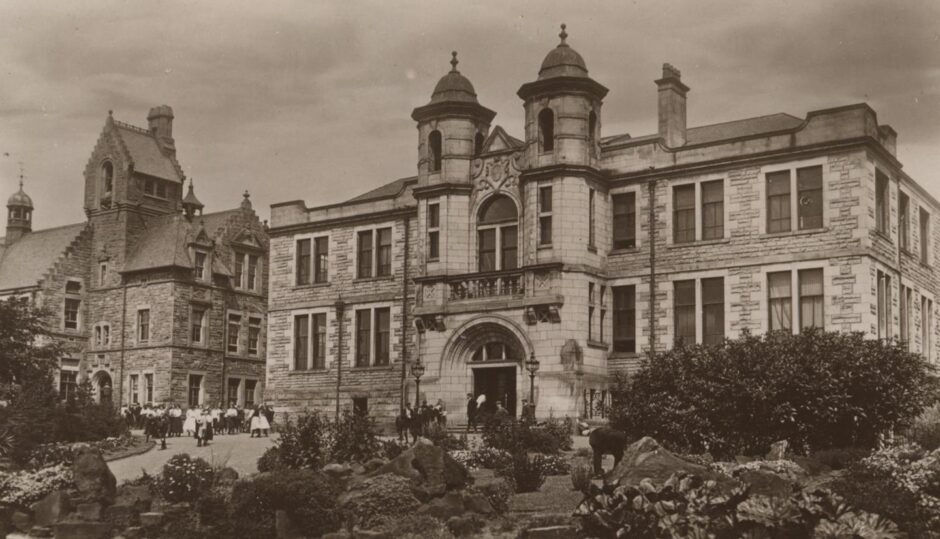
(72, 307)
(547, 130)
(904, 221)
(198, 323)
(250, 386)
(591, 219)
(199, 270)
(683, 213)
(321, 257)
(148, 388)
(713, 210)
(603, 310)
(434, 231)
(143, 325)
(624, 224)
(373, 336)
(382, 337)
(882, 204)
(102, 273)
(592, 127)
(301, 341)
(434, 150)
(134, 389)
(375, 253)
(303, 262)
(545, 215)
(363, 336)
(905, 316)
(684, 306)
(254, 335)
(234, 384)
(809, 195)
(780, 300)
(625, 318)
(926, 327)
(884, 305)
(312, 255)
(924, 237)
(778, 201)
(497, 233)
(68, 384)
(107, 172)
(319, 340)
(590, 311)
(253, 272)
(195, 390)
(383, 242)
(713, 310)
(811, 298)
(234, 328)
(365, 254)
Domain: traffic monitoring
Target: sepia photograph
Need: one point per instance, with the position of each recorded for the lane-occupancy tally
(434, 270)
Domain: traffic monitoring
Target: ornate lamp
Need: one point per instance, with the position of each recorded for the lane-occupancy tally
(417, 370)
(532, 365)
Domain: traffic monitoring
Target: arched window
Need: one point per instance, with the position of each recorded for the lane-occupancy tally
(547, 130)
(107, 176)
(498, 235)
(492, 351)
(592, 127)
(434, 150)
(478, 144)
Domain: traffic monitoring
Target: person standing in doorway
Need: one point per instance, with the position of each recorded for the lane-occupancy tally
(471, 412)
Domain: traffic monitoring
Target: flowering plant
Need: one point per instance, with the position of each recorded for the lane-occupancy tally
(184, 478)
(552, 464)
(21, 489)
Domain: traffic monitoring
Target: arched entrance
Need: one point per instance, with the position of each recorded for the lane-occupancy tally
(103, 387)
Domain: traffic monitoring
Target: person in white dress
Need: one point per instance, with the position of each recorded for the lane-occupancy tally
(189, 426)
(259, 423)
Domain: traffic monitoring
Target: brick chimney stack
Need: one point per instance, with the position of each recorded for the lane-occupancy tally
(672, 107)
(160, 122)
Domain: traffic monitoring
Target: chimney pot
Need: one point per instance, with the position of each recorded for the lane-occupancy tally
(672, 106)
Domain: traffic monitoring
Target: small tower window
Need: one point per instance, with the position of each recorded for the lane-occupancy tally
(547, 130)
(107, 174)
(434, 150)
(478, 144)
(592, 127)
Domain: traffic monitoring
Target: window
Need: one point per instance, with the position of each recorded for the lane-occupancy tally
(363, 336)
(592, 127)
(148, 187)
(303, 262)
(684, 303)
(102, 273)
(434, 231)
(361, 406)
(884, 305)
(547, 130)
(382, 335)
(780, 300)
(591, 218)
(379, 265)
(497, 233)
(319, 340)
(250, 386)
(198, 319)
(603, 311)
(143, 325)
(199, 271)
(195, 390)
(590, 311)
(301, 341)
(625, 318)
(240, 270)
(713, 210)
(234, 384)
(882, 204)
(102, 335)
(713, 310)
(924, 237)
(373, 336)
(73, 287)
(365, 254)
(778, 201)
(926, 327)
(905, 316)
(904, 220)
(434, 150)
(253, 272)
(810, 197)
(545, 215)
(683, 213)
(234, 328)
(132, 386)
(384, 244)
(811, 298)
(72, 307)
(624, 224)
(491, 351)
(68, 384)
(254, 335)
(321, 257)
(107, 172)
(148, 388)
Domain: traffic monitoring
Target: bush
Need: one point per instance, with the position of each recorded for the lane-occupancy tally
(184, 479)
(304, 443)
(354, 438)
(23, 488)
(525, 472)
(512, 435)
(389, 449)
(377, 497)
(438, 435)
(309, 498)
(411, 526)
(817, 390)
(551, 437)
(840, 458)
(270, 460)
(64, 452)
(925, 431)
(581, 475)
(489, 458)
(497, 492)
(552, 464)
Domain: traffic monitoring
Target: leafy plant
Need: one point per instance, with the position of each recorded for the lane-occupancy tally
(23, 488)
(354, 438)
(497, 492)
(379, 496)
(925, 430)
(526, 473)
(581, 475)
(552, 464)
(309, 498)
(270, 460)
(303, 443)
(439, 436)
(185, 479)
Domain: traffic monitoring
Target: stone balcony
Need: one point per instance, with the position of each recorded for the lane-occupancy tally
(535, 287)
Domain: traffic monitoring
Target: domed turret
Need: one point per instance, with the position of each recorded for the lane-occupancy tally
(191, 203)
(563, 61)
(19, 215)
(454, 86)
(20, 199)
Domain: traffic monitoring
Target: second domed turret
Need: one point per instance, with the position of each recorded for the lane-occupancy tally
(563, 61)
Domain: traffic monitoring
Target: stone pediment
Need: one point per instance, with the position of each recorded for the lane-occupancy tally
(247, 239)
(500, 141)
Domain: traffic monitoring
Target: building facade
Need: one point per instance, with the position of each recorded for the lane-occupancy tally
(153, 300)
(587, 251)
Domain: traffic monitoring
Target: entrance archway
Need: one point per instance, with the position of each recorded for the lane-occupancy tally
(103, 388)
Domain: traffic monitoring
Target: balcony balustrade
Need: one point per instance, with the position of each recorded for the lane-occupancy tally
(528, 286)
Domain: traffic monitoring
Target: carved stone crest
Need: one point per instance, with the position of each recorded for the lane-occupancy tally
(498, 173)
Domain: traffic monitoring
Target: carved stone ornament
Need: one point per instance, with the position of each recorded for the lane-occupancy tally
(499, 173)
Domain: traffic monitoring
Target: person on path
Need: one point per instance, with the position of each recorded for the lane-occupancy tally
(189, 426)
(440, 410)
(403, 422)
(471, 412)
(259, 423)
(231, 419)
(204, 428)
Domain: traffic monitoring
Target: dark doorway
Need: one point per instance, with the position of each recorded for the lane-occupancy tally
(499, 385)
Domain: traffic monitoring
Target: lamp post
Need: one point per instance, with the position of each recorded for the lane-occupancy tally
(417, 370)
(532, 365)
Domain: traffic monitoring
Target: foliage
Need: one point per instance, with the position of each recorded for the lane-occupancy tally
(497, 492)
(469, 525)
(270, 460)
(581, 475)
(513, 435)
(817, 390)
(21, 489)
(526, 473)
(482, 457)
(925, 430)
(382, 495)
(839, 458)
(551, 436)
(552, 464)
(64, 452)
(392, 448)
(309, 498)
(439, 436)
(354, 438)
(303, 443)
(22, 360)
(686, 506)
(185, 479)
(411, 526)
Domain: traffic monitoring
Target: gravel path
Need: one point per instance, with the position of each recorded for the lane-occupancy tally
(239, 450)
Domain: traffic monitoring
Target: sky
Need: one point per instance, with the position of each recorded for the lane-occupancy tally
(312, 100)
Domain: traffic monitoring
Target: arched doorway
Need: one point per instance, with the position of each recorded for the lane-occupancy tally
(103, 388)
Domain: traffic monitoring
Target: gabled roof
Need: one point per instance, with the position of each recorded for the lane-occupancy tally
(388, 190)
(25, 262)
(500, 140)
(146, 154)
(707, 134)
(167, 238)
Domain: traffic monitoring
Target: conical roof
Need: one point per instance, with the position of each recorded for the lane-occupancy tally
(454, 86)
(190, 201)
(563, 61)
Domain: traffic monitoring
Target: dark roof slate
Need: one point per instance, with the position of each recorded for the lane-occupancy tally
(25, 262)
(388, 190)
(146, 154)
(166, 241)
(708, 134)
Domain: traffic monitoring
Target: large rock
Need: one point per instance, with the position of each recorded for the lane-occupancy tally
(645, 458)
(121, 515)
(52, 509)
(766, 483)
(445, 507)
(778, 450)
(22, 521)
(82, 530)
(93, 479)
(430, 469)
(138, 496)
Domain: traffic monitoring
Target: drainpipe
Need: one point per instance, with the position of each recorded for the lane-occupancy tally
(897, 180)
(339, 306)
(652, 236)
(404, 318)
(123, 333)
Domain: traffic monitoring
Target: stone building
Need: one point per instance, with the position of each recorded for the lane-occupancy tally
(154, 300)
(586, 250)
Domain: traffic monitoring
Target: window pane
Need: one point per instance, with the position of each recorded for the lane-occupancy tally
(363, 335)
(254, 335)
(624, 225)
(713, 212)
(809, 189)
(487, 248)
(545, 199)
(252, 271)
(301, 336)
(713, 310)
(321, 257)
(684, 303)
(365, 254)
(904, 220)
(509, 253)
(382, 336)
(881, 202)
(624, 318)
(234, 325)
(434, 245)
(684, 214)
(780, 300)
(924, 237)
(545, 230)
(499, 208)
(319, 341)
(591, 226)
(434, 215)
(778, 201)
(384, 266)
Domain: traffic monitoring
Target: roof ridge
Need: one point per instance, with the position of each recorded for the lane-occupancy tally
(132, 127)
(748, 119)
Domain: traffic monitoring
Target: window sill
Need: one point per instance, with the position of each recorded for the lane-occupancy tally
(807, 232)
(592, 248)
(544, 247)
(598, 345)
(372, 368)
(623, 355)
(298, 287)
(296, 372)
(883, 236)
(435, 259)
(698, 243)
(624, 251)
(370, 279)
(155, 197)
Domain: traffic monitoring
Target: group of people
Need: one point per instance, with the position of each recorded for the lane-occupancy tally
(478, 410)
(416, 421)
(161, 421)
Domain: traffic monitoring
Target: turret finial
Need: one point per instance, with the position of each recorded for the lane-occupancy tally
(563, 35)
(454, 62)
(22, 175)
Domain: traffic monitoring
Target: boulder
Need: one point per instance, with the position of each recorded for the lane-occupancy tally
(134, 532)
(429, 467)
(445, 507)
(121, 515)
(82, 530)
(337, 471)
(22, 521)
(89, 511)
(476, 502)
(138, 496)
(766, 483)
(93, 479)
(52, 509)
(778, 450)
(645, 458)
(375, 464)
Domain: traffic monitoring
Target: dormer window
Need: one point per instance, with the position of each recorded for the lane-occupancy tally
(107, 175)
(434, 150)
(547, 130)
(199, 269)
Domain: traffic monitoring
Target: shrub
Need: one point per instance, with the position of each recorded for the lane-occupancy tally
(501, 431)
(184, 479)
(411, 526)
(308, 496)
(840, 458)
(525, 472)
(512, 435)
(64, 452)
(303, 443)
(469, 525)
(581, 475)
(925, 430)
(354, 438)
(552, 464)
(389, 449)
(490, 459)
(551, 437)
(377, 497)
(497, 492)
(817, 390)
(270, 460)
(23, 488)
(439, 436)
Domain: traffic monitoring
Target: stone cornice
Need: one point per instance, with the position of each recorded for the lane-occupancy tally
(407, 211)
(453, 109)
(562, 85)
(554, 171)
(438, 189)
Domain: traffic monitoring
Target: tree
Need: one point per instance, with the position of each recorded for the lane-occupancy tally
(26, 351)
